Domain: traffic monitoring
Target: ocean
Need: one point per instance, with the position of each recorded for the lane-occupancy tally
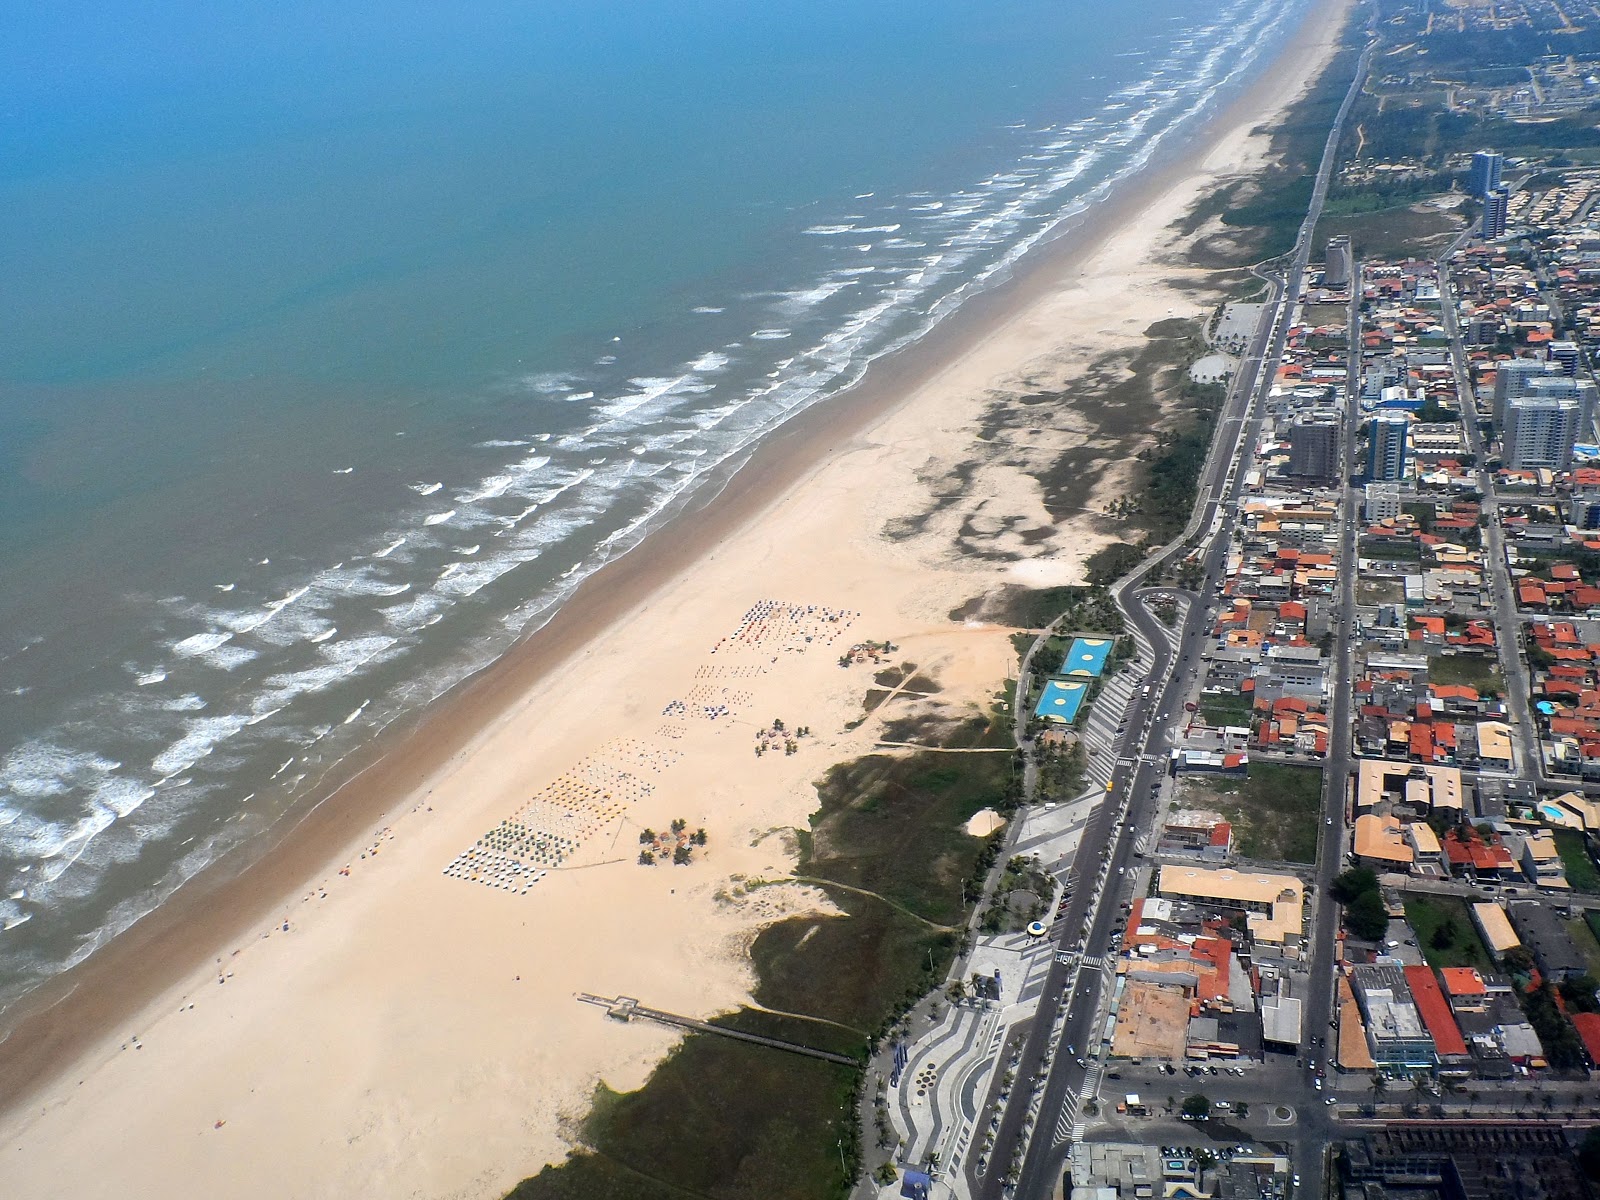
(343, 341)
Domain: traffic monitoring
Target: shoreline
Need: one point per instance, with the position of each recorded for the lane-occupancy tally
(57, 1023)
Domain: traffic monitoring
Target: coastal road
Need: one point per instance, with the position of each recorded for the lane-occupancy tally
(1111, 836)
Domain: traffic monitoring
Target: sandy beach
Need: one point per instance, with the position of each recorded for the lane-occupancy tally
(370, 1010)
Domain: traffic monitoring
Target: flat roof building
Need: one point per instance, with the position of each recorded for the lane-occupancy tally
(1418, 784)
(1380, 843)
(1495, 927)
(1273, 904)
(1547, 939)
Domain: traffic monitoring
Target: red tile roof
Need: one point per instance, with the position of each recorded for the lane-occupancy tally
(1459, 981)
(1435, 1012)
(1588, 1027)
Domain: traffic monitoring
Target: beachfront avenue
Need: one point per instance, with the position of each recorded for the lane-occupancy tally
(1025, 1071)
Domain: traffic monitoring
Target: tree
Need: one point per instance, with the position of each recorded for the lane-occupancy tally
(698, 837)
(1589, 1153)
(647, 836)
(680, 856)
(887, 1174)
(1242, 1109)
(1579, 993)
(1352, 883)
(1196, 1107)
(1444, 935)
(646, 858)
(1367, 916)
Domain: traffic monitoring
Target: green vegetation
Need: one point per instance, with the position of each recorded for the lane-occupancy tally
(1082, 609)
(1445, 932)
(1560, 1040)
(1583, 937)
(772, 1134)
(1061, 773)
(1225, 710)
(1196, 1106)
(1266, 213)
(1274, 811)
(1023, 894)
(1110, 563)
(1589, 1154)
(1390, 232)
(1468, 670)
(1172, 476)
(1364, 911)
(1580, 868)
(1390, 551)
(726, 1119)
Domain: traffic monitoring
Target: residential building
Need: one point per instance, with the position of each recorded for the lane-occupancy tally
(1388, 447)
(1273, 904)
(1337, 270)
(1485, 176)
(1540, 432)
(1496, 207)
(1495, 926)
(1314, 449)
(1382, 502)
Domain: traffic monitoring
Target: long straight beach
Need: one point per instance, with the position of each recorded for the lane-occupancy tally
(341, 1009)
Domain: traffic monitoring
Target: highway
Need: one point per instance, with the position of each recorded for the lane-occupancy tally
(1108, 842)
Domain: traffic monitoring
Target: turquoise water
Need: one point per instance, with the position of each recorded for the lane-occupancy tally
(342, 341)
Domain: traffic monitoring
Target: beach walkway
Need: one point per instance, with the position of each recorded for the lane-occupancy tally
(626, 1008)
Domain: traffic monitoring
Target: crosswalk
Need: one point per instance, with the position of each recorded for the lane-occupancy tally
(1070, 1125)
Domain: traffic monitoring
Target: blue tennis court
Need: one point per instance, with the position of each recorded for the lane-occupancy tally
(1087, 657)
(1061, 700)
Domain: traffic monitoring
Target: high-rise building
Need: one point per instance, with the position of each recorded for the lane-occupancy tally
(1496, 205)
(1485, 177)
(1388, 446)
(1338, 265)
(1559, 387)
(1565, 355)
(1314, 449)
(1539, 432)
(1512, 379)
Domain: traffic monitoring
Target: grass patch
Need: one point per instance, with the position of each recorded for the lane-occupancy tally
(1274, 811)
(1583, 937)
(1445, 932)
(1468, 670)
(1225, 710)
(1391, 232)
(892, 825)
(1580, 868)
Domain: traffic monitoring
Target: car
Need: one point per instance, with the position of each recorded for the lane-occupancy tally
(1331, 1100)
(1330, 820)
